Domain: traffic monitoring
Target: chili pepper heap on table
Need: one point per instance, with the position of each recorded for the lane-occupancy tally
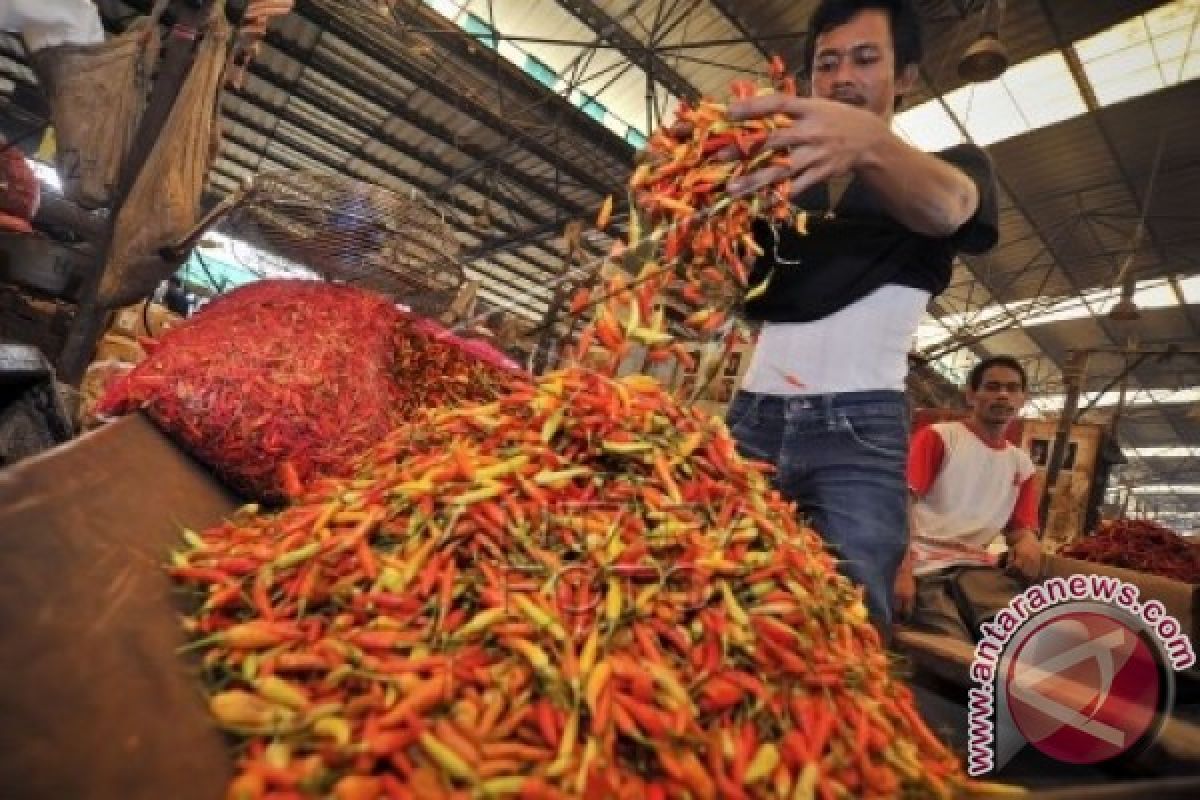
(579, 589)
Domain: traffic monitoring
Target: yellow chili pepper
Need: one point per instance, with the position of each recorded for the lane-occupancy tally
(239, 709)
(476, 495)
(535, 655)
(591, 648)
(479, 623)
(277, 690)
(540, 617)
(503, 468)
(612, 601)
(450, 762)
(765, 760)
(605, 213)
(806, 784)
(335, 728)
(552, 424)
(626, 448)
(596, 683)
(556, 479)
(585, 764)
(506, 786)
(565, 747)
(736, 612)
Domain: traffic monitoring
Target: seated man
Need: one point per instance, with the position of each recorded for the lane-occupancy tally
(970, 485)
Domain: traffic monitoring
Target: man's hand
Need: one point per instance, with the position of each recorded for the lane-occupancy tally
(826, 139)
(1025, 554)
(904, 594)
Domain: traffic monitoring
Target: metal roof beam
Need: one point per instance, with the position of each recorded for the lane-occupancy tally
(489, 247)
(337, 74)
(326, 104)
(641, 54)
(1089, 96)
(734, 13)
(465, 50)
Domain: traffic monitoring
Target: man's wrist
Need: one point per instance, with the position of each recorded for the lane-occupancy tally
(876, 153)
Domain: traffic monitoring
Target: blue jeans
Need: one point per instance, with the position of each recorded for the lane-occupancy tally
(841, 458)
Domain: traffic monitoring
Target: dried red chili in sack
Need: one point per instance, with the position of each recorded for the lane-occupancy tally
(282, 381)
(1141, 545)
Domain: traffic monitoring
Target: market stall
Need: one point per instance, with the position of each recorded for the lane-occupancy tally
(317, 544)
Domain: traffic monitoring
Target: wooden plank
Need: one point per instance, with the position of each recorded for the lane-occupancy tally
(95, 701)
(1168, 789)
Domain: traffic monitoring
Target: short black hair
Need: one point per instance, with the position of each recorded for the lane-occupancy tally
(905, 24)
(975, 379)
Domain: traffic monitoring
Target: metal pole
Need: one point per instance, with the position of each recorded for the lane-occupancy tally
(1073, 374)
(541, 353)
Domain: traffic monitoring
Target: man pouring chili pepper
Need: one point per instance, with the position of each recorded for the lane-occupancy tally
(823, 397)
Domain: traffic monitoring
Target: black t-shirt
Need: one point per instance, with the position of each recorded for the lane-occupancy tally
(846, 256)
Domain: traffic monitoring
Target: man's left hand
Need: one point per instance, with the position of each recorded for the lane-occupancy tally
(1025, 555)
(826, 139)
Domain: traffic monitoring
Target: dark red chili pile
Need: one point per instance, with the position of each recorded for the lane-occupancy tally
(1142, 545)
(280, 382)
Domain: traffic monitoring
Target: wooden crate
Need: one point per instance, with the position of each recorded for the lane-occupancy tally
(1068, 509)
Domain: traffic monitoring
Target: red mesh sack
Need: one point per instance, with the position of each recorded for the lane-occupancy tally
(20, 192)
(282, 382)
(476, 347)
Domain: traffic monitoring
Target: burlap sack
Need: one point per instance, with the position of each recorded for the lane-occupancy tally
(164, 202)
(97, 94)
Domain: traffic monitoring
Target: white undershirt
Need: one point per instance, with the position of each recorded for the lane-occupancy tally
(862, 347)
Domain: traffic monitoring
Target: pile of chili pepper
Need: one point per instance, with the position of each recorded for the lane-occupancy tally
(278, 382)
(690, 241)
(579, 589)
(1142, 545)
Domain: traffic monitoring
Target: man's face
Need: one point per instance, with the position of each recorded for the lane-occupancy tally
(855, 63)
(999, 396)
